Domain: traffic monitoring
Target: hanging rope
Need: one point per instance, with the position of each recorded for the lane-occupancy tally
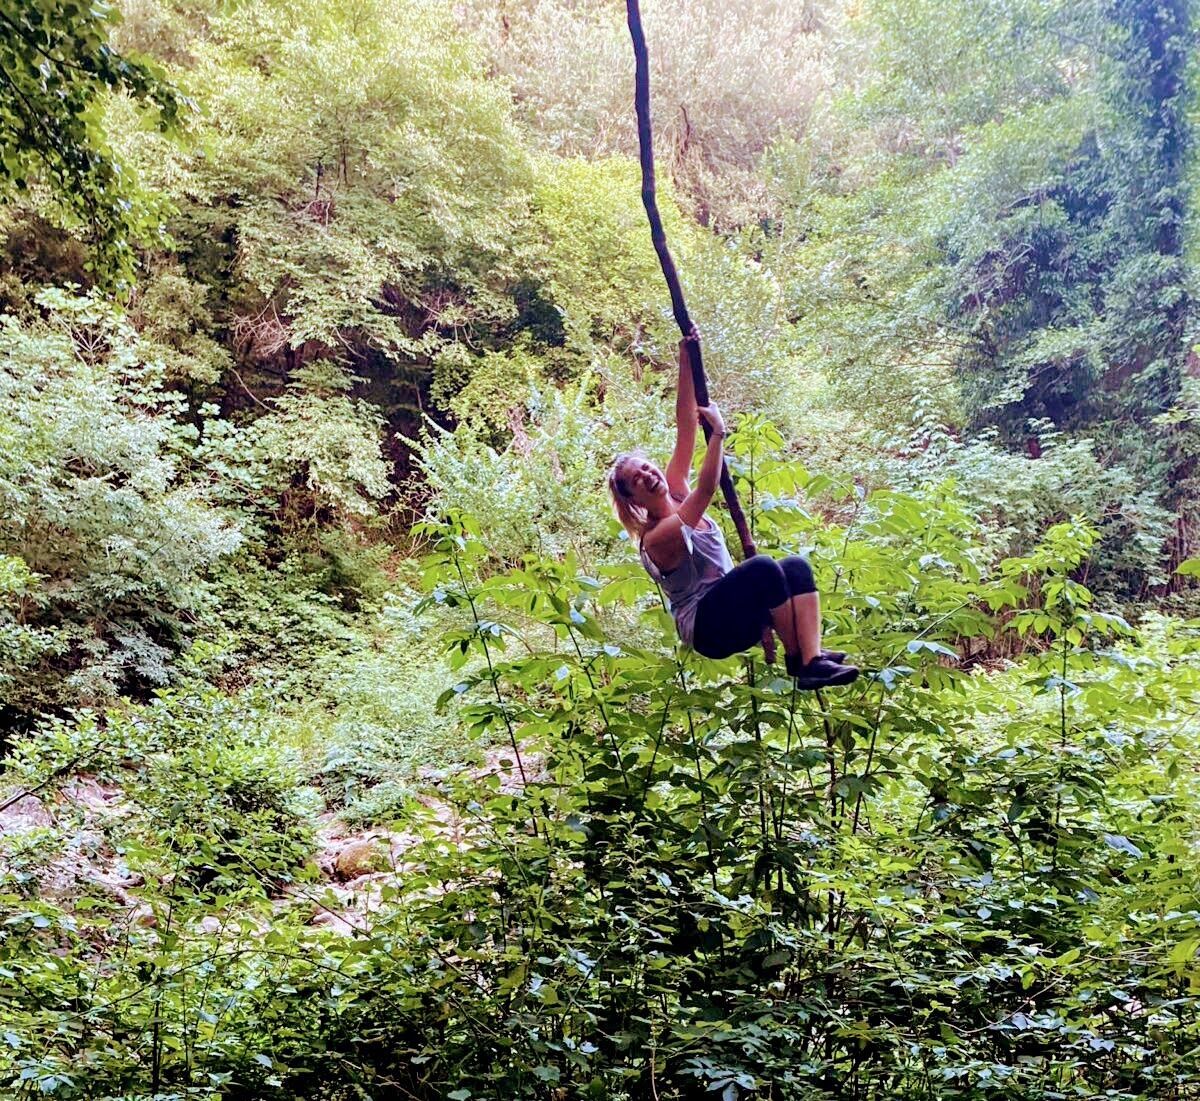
(641, 102)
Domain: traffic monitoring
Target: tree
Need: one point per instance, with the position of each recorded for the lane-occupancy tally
(1005, 211)
(723, 90)
(56, 67)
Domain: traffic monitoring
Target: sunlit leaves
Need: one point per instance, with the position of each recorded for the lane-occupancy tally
(380, 203)
(56, 68)
(97, 505)
(332, 442)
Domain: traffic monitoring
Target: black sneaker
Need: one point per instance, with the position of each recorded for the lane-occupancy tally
(820, 672)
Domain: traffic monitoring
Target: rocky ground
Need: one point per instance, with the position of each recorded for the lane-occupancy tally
(57, 843)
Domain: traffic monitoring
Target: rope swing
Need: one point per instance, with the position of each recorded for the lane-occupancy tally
(641, 102)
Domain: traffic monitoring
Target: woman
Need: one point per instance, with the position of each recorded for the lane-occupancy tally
(719, 608)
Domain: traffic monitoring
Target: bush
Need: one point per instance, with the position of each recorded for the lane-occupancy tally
(115, 540)
(378, 724)
(211, 791)
(1018, 495)
(920, 886)
(226, 811)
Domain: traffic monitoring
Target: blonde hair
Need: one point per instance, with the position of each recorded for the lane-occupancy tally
(633, 517)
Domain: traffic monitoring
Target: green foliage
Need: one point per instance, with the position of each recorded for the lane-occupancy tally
(326, 441)
(57, 67)
(540, 493)
(1018, 496)
(601, 269)
(114, 540)
(224, 808)
(960, 290)
(378, 205)
(936, 883)
(708, 870)
(738, 78)
(174, 324)
(22, 644)
(210, 801)
(120, 503)
(210, 821)
(380, 727)
(983, 56)
(1007, 247)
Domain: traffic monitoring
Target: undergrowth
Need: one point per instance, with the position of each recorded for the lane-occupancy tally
(939, 882)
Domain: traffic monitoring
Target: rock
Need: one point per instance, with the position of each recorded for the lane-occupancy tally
(115, 881)
(114, 890)
(402, 842)
(365, 882)
(501, 761)
(360, 858)
(27, 813)
(95, 797)
(336, 922)
(210, 925)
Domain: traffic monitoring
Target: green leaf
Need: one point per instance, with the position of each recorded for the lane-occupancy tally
(1181, 953)
(916, 645)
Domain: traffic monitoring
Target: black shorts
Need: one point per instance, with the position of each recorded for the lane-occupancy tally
(732, 614)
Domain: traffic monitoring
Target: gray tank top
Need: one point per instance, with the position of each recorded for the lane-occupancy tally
(705, 563)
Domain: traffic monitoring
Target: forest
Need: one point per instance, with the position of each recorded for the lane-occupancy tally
(347, 750)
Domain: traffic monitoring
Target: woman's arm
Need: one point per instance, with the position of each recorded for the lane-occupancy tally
(685, 423)
(691, 511)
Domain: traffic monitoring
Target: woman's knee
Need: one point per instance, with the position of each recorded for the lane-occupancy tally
(768, 579)
(799, 575)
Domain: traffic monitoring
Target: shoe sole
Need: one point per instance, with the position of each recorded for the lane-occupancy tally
(828, 682)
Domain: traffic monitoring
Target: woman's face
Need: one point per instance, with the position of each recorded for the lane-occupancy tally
(644, 482)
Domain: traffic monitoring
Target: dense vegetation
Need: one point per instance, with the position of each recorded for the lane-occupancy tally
(348, 752)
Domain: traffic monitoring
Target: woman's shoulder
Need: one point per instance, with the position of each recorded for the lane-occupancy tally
(666, 544)
(664, 529)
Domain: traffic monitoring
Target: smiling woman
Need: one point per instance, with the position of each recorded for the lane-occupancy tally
(719, 609)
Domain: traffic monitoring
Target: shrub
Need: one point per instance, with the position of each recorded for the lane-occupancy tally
(116, 541)
(935, 883)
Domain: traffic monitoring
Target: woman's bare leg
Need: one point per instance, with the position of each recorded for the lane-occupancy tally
(781, 620)
(798, 624)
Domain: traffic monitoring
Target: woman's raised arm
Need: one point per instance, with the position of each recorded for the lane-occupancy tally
(691, 509)
(685, 423)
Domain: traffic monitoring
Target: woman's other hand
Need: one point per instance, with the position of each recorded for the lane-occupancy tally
(711, 415)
